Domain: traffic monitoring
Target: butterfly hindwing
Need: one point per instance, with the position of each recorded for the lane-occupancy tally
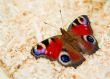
(70, 57)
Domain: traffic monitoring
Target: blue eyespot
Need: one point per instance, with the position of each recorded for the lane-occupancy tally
(65, 58)
(89, 38)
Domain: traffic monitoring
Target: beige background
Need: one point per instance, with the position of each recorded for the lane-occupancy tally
(22, 26)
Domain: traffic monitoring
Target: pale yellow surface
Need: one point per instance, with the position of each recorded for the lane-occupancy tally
(22, 26)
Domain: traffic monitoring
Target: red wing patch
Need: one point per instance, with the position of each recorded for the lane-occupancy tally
(81, 26)
(54, 48)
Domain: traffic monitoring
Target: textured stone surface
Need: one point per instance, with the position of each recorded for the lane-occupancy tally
(22, 26)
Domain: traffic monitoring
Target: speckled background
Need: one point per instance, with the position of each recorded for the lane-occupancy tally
(22, 26)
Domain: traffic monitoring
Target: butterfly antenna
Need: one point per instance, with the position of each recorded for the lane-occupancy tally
(50, 25)
(61, 21)
(61, 18)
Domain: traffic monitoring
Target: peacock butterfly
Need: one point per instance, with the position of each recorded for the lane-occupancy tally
(69, 47)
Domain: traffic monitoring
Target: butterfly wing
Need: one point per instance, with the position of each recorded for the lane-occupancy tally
(70, 57)
(50, 47)
(81, 27)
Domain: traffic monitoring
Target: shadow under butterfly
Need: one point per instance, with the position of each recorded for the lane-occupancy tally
(69, 47)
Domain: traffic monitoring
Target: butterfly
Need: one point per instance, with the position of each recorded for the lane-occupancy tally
(69, 47)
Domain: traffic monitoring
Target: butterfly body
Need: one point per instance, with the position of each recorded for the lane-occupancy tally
(68, 47)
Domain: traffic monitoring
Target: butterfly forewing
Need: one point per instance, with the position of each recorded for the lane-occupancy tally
(50, 47)
(81, 26)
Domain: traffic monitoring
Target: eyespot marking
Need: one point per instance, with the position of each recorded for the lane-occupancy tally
(81, 19)
(89, 38)
(38, 52)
